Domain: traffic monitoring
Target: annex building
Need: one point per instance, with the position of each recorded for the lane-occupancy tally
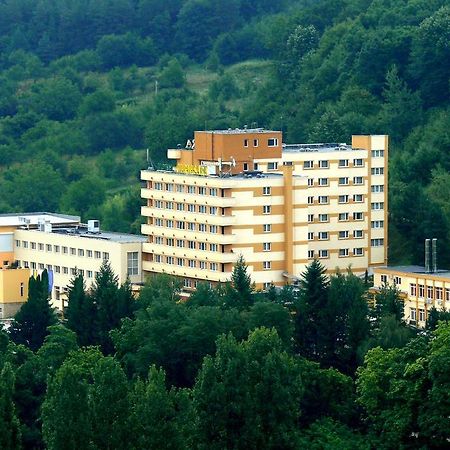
(243, 192)
(32, 242)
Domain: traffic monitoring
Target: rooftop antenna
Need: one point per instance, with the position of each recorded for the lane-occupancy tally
(434, 254)
(150, 165)
(427, 256)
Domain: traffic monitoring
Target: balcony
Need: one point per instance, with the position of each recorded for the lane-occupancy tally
(182, 197)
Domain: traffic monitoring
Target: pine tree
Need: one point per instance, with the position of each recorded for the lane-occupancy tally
(35, 316)
(240, 290)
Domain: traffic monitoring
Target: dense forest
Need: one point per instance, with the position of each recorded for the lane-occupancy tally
(86, 86)
(316, 368)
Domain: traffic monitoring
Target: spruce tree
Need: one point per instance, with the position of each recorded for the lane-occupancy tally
(240, 290)
(29, 326)
(81, 313)
(310, 306)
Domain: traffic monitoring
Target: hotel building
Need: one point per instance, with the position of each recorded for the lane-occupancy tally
(32, 242)
(244, 192)
(419, 288)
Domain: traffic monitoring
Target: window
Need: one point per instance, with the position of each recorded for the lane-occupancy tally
(358, 180)
(170, 242)
(343, 181)
(267, 209)
(180, 207)
(213, 229)
(343, 252)
(80, 252)
(323, 181)
(439, 293)
(169, 205)
(310, 236)
(377, 242)
(343, 163)
(213, 192)
(180, 243)
(33, 246)
(413, 289)
(169, 223)
(73, 271)
(89, 273)
(343, 235)
(359, 251)
(213, 210)
(213, 267)
(323, 199)
(310, 254)
(202, 246)
(180, 188)
(25, 244)
(22, 290)
(421, 291)
(180, 262)
(310, 181)
(323, 217)
(383, 279)
(245, 142)
(213, 247)
(192, 263)
(33, 265)
(358, 162)
(245, 167)
(49, 247)
(267, 285)
(267, 228)
(358, 198)
(105, 256)
(377, 188)
(358, 216)
(267, 265)
(358, 234)
(202, 190)
(308, 164)
(447, 295)
(169, 187)
(267, 246)
(323, 164)
(17, 243)
(377, 205)
(323, 235)
(159, 204)
(132, 263)
(57, 269)
(421, 315)
(191, 189)
(191, 245)
(323, 253)
(272, 142)
(56, 248)
(97, 255)
(310, 218)
(157, 186)
(412, 314)
(377, 223)
(377, 153)
(343, 199)
(158, 258)
(430, 292)
(41, 247)
(267, 190)
(343, 217)
(202, 227)
(377, 171)
(397, 280)
(310, 200)
(191, 226)
(202, 209)
(191, 207)
(73, 251)
(202, 265)
(180, 225)
(255, 142)
(255, 166)
(170, 260)
(272, 166)
(158, 222)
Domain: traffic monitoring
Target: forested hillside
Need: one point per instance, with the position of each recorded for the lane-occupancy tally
(86, 86)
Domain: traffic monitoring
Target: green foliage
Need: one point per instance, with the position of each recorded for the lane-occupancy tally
(30, 324)
(172, 76)
(240, 290)
(9, 424)
(247, 395)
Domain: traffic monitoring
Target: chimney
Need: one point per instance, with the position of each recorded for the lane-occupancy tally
(434, 254)
(427, 256)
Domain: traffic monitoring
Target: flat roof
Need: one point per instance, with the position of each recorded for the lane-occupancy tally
(239, 131)
(33, 218)
(418, 270)
(321, 147)
(82, 232)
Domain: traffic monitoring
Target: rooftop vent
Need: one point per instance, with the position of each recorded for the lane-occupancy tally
(93, 226)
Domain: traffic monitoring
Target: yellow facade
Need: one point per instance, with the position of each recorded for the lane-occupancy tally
(278, 206)
(13, 290)
(421, 291)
